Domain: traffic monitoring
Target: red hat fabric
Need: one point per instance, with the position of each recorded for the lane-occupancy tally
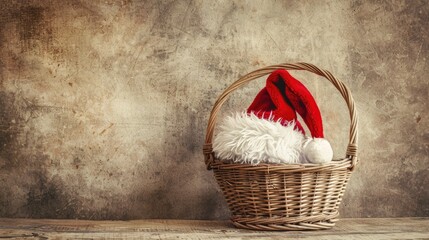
(282, 97)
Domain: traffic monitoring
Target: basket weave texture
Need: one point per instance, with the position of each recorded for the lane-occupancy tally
(283, 196)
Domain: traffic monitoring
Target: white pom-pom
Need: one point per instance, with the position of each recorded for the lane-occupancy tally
(317, 150)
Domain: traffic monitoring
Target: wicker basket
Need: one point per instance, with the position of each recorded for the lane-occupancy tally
(283, 197)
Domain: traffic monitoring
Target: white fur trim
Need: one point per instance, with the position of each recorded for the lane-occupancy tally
(317, 150)
(246, 138)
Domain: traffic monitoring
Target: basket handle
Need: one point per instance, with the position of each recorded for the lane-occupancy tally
(351, 152)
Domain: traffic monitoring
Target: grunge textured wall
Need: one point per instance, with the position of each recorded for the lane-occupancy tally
(104, 104)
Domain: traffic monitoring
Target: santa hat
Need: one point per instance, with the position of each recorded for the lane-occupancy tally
(270, 132)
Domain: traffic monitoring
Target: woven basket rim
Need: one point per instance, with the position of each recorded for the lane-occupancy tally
(336, 164)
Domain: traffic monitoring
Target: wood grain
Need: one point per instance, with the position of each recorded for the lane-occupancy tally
(380, 228)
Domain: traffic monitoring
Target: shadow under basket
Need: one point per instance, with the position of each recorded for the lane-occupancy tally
(283, 196)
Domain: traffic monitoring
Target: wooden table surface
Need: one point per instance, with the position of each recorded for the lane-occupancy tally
(374, 228)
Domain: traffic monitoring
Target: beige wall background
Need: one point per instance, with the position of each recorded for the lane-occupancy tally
(104, 104)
